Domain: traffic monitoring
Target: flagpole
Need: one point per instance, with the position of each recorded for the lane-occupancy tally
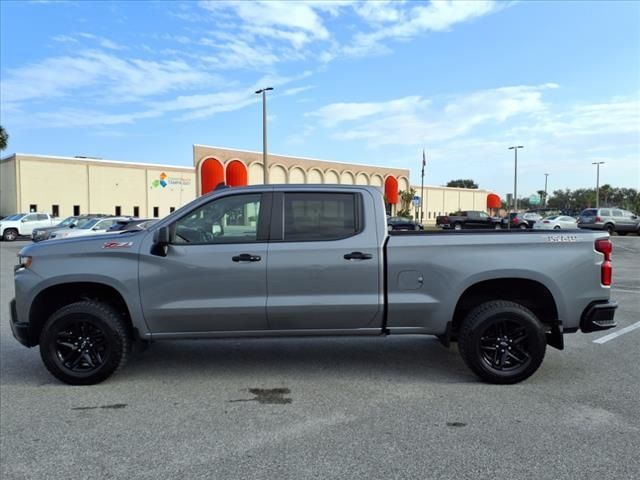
(422, 188)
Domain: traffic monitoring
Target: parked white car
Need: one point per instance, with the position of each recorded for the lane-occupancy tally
(95, 226)
(556, 222)
(22, 224)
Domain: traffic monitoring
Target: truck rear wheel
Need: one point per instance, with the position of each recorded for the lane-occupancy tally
(10, 234)
(85, 342)
(502, 342)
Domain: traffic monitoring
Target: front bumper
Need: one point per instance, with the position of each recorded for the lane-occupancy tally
(21, 331)
(598, 316)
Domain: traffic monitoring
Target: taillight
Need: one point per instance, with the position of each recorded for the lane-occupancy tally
(598, 219)
(515, 220)
(446, 219)
(605, 247)
(546, 221)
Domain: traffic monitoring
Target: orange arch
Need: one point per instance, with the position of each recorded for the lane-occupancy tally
(391, 189)
(237, 175)
(493, 201)
(211, 174)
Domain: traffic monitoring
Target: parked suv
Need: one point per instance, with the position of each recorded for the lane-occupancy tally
(611, 219)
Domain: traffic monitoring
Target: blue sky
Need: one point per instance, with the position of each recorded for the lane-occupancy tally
(358, 82)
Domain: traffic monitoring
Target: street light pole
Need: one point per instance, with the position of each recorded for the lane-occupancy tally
(515, 176)
(597, 164)
(265, 170)
(546, 175)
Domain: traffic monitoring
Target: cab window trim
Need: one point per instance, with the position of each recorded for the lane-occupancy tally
(262, 226)
(277, 218)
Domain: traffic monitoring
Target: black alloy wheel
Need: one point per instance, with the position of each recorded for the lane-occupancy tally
(85, 342)
(502, 342)
(503, 346)
(81, 346)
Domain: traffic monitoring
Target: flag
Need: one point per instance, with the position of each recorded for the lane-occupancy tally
(424, 161)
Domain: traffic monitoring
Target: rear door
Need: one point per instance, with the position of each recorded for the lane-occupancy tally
(324, 269)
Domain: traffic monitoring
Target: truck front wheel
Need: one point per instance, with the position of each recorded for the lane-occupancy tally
(502, 342)
(85, 342)
(10, 234)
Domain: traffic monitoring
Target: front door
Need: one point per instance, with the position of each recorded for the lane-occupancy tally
(324, 262)
(213, 277)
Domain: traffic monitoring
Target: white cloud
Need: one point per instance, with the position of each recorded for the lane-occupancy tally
(433, 17)
(98, 74)
(412, 120)
(297, 90)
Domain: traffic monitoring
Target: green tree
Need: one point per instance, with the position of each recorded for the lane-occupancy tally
(406, 197)
(462, 183)
(4, 138)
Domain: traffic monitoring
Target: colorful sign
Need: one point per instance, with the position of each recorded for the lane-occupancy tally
(164, 180)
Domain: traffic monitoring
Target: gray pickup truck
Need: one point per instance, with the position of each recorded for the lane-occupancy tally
(287, 260)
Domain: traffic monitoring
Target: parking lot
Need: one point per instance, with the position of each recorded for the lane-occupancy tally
(328, 408)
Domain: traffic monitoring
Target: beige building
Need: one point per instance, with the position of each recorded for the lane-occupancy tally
(447, 200)
(66, 186)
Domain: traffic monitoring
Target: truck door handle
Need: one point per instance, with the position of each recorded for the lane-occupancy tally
(246, 257)
(358, 256)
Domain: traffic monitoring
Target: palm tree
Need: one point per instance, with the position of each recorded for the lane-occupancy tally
(4, 138)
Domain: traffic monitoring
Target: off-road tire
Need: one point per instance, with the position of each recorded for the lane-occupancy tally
(10, 234)
(475, 338)
(113, 335)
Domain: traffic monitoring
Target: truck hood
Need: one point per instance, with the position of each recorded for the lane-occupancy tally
(86, 244)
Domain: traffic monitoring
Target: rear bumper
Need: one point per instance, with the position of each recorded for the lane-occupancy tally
(598, 316)
(21, 331)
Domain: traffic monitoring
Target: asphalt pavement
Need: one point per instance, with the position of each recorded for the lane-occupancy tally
(375, 408)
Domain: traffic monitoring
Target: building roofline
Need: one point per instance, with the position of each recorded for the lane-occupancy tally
(99, 160)
(297, 157)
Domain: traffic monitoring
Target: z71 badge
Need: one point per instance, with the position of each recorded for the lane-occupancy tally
(117, 245)
(562, 238)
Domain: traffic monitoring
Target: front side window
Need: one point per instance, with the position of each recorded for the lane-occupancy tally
(319, 216)
(617, 213)
(30, 218)
(232, 219)
(605, 212)
(483, 215)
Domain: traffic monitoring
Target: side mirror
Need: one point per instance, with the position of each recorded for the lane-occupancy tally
(161, 239)
(216, 229)
(24, 220)
(161, 236)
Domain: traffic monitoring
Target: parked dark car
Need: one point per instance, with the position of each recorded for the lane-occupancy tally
(468, 219)
(611, 219)
(402, 223)
(521, 220)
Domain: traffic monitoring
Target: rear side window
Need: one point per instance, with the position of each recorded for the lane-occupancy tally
(320, 216)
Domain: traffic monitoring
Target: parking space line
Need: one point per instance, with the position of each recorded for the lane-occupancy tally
(613, 335)
(625, 290)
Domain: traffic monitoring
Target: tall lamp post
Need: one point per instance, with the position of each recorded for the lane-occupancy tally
(265, 170)
(515, 176)
(546, 176)
(597, 164)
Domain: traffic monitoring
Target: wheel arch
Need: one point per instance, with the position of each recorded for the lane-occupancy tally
(531, 293)
(54, 297)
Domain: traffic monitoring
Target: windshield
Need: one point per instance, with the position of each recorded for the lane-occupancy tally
(88, 223)
(67, 221)
(17, 216)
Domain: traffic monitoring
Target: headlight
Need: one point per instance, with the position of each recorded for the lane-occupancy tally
(23, 262)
